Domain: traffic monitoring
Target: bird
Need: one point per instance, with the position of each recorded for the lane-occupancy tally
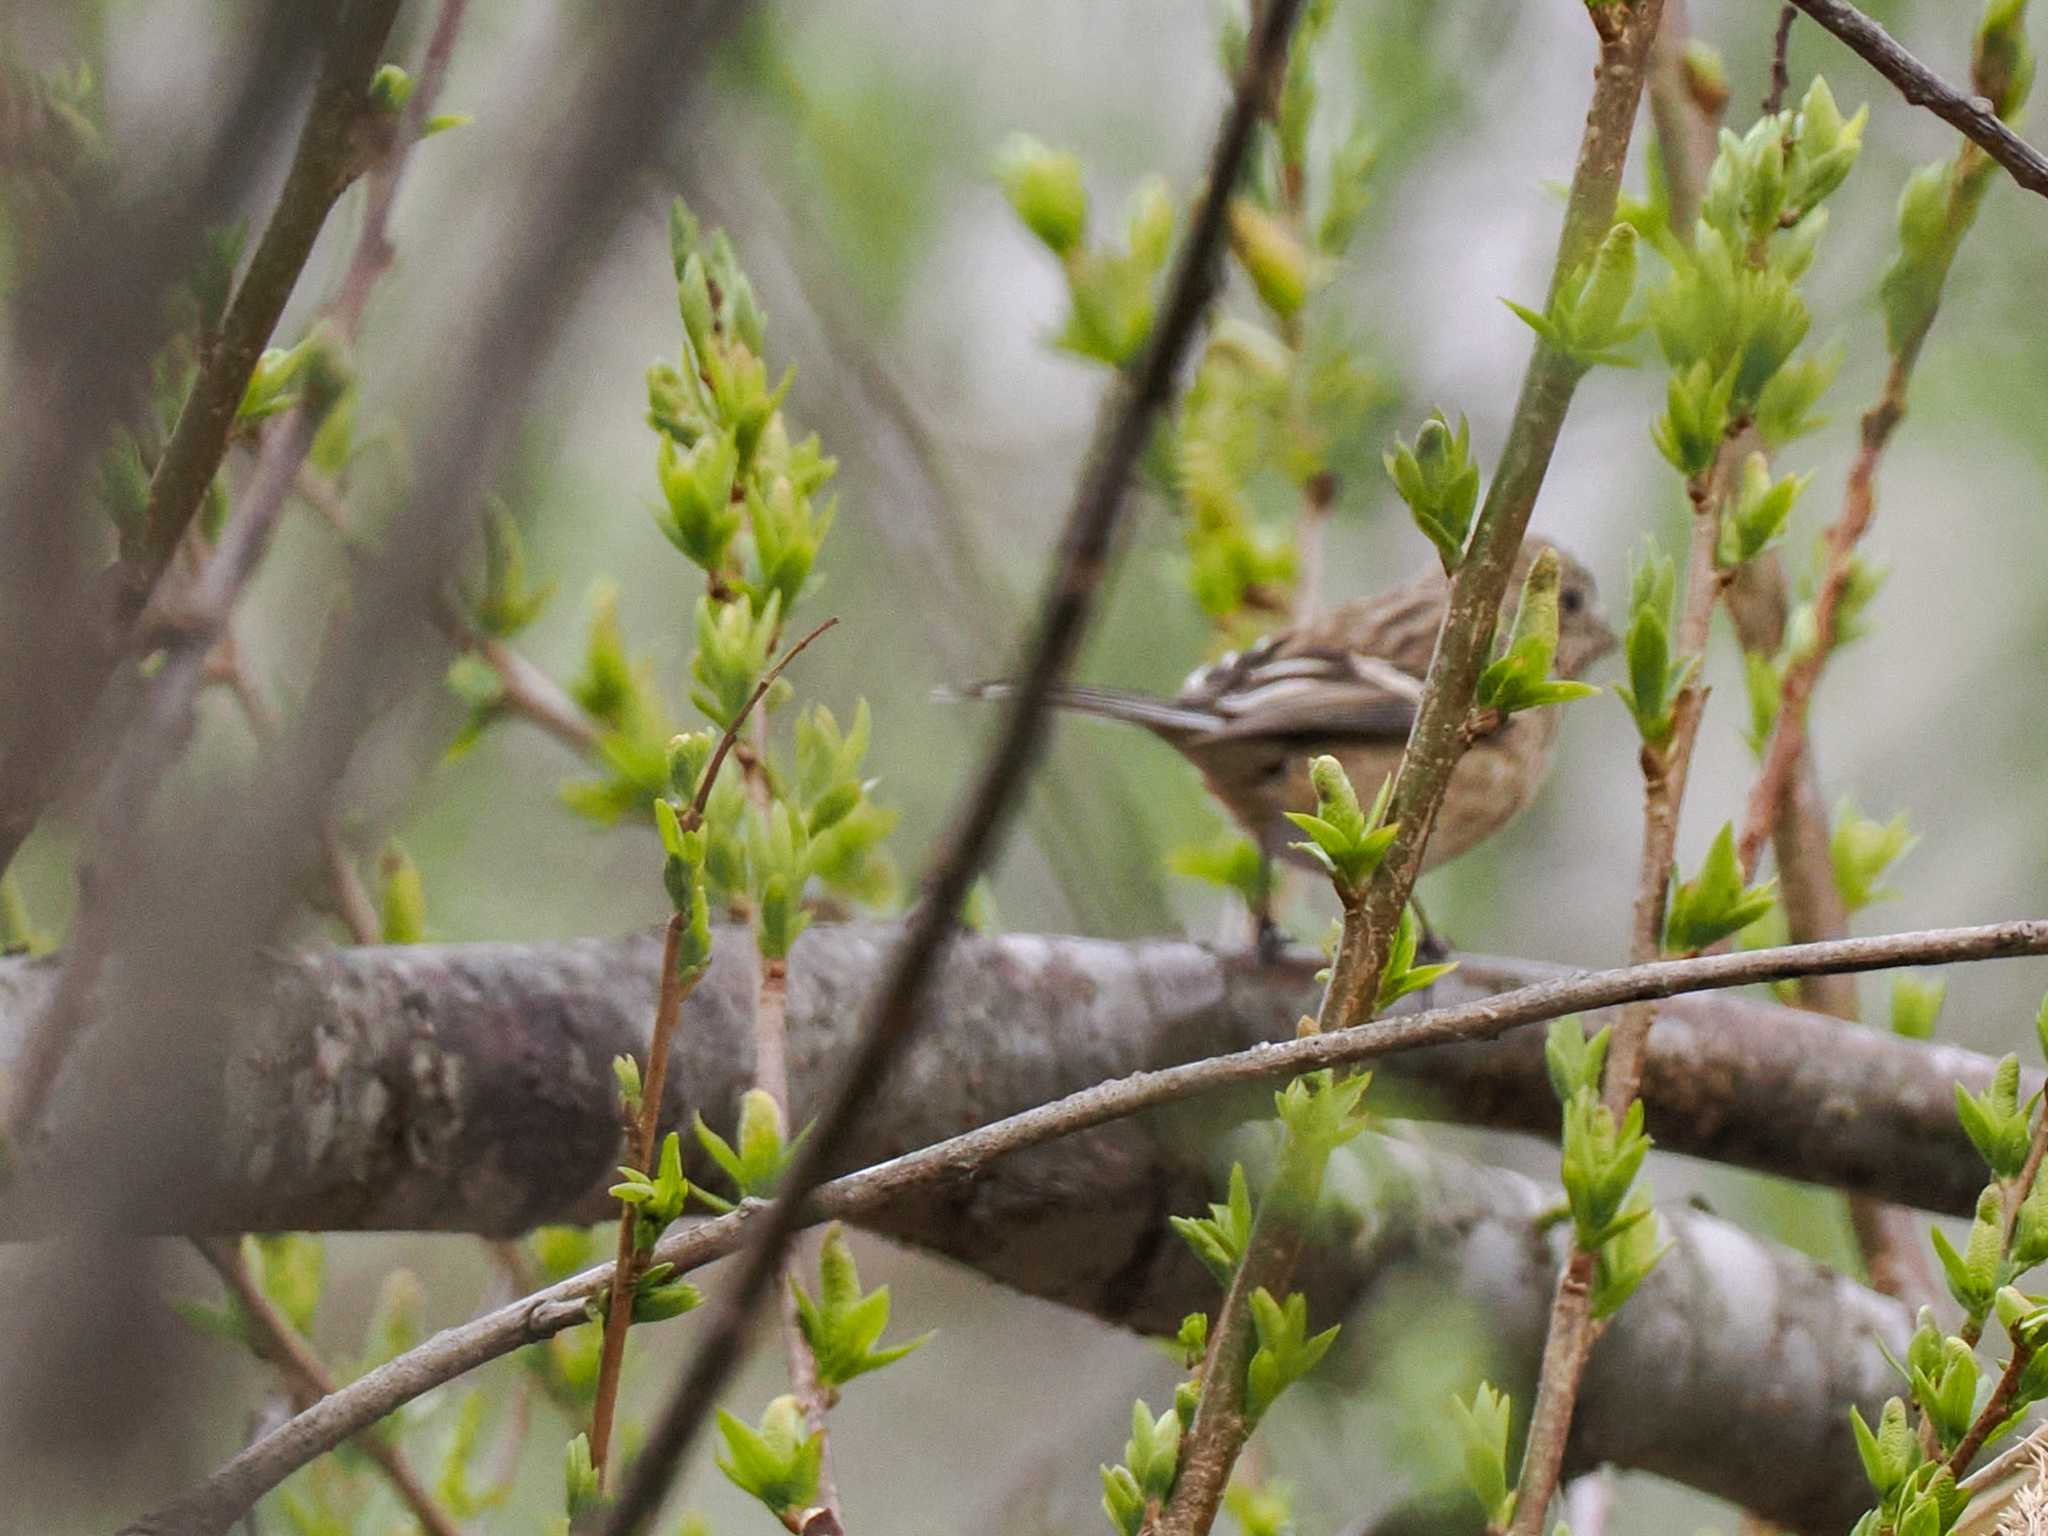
(1348, 682)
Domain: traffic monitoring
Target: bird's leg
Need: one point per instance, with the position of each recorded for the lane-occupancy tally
(1432, 946)
(1268, 940)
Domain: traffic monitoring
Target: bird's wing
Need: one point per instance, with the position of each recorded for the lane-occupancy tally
(1324, 695)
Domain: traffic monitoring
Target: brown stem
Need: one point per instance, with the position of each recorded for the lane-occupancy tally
(771, 1073)
(329, 156)
(629, 1262)
(1473, 608)
(1859, 504)
(1997, 1409)
(1222, 1425)
(1665, 769)
(373, 252)
(1969, 115)
(307, 1380)
(675, 986)
(1781, 42)
(1143, 394)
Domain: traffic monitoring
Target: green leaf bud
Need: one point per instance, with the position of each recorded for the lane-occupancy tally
(1044, 187)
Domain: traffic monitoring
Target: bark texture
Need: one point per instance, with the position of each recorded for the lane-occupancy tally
(468, 1087)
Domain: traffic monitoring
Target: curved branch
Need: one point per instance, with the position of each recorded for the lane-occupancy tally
(1756, 1411)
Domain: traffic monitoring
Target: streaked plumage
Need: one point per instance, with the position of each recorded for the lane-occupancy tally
(1349, 683)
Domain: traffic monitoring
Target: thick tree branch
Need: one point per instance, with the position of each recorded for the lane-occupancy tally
(1970, 116)
(468, 1087)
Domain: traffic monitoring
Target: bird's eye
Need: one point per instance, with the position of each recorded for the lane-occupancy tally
(1572, 599)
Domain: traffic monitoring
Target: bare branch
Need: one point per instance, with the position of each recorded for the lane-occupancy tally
(1970, 116)
(1756, 1413)
(307, 1380)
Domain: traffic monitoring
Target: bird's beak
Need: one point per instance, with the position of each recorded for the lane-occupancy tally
(1608, 640)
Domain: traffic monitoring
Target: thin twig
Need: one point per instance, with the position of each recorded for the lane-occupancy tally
(1997, 1408)
(628, 1264)
(215, 1504)
(1786, 799)
(675, 988)
(330, 155)
(694, 816)
(1572, 1330)
(1973, 117)
(373, 253)
(1666, 769)
(1069, 603)
(524, 688)
(327, 158)
(1788, 737)
(307, 1380)
(1781, 43)
(1686, 122)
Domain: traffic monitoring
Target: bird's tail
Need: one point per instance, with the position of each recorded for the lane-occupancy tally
(1163, 716)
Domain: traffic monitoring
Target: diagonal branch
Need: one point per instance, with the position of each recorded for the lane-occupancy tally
(332, 150)
(1970, 116)
(1755, 1412)
(307, 1379)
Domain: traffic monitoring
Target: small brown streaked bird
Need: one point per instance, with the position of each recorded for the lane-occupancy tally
(1348, 683)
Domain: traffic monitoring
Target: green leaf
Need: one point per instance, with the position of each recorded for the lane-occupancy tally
(1439, 481)
(1714, 903)
(1347, 841)
(1153, 1451)
(761, 1155)
(584, 1497)
(1625, 1260)
(1220, 1238)
(777, 1462)
(401, 897)
(1044, 186)
(1402, 975)
(1519, 679)
(841, 1324)
(1862, 850)
(1994, 1121)
(1916, 1004)
(1599, 1165)
(1481, 1427)
(1234, 863)
(1572, 1060)
(1286, 1351)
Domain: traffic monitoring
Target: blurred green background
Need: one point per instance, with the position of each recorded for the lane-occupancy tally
(847, 145)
